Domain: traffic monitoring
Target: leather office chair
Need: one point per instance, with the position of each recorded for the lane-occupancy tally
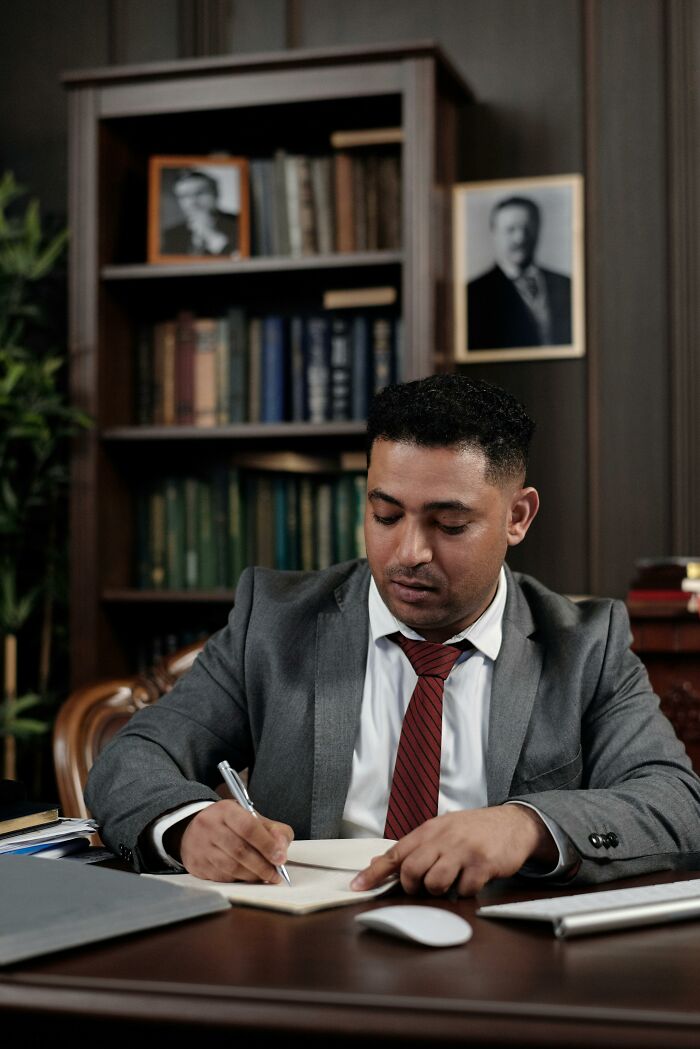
(94, 713)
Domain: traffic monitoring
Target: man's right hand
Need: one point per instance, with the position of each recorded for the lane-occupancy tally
(223, 842)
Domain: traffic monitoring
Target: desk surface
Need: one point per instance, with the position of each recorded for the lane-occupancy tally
(319, 979)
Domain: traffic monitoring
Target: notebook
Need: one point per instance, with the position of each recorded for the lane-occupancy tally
(608, 910)
(320, 872)
(46, 907)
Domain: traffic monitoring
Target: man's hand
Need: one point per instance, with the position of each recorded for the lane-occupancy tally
(463, 850)
(223, 842)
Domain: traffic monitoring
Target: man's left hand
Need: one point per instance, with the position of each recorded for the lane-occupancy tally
(463, 850)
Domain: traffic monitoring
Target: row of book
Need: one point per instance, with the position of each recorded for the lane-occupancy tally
(665, 586)
(212, 371)
(303, 205)
(200, 532)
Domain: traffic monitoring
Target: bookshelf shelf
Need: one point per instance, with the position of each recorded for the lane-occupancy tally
(267, 264)
(232, 432)
(149, 502)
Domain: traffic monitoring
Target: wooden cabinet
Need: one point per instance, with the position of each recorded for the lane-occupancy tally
(246, 106)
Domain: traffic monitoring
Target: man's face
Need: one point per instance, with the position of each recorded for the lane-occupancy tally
(437, 532)
(196, 197)
(515, 232)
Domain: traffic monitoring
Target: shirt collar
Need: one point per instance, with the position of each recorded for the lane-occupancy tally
(485, 634)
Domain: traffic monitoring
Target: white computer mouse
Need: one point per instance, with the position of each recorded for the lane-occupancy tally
(431, 926)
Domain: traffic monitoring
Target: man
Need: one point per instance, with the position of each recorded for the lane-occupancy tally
(517, 303)
(539, 701)
(206, 230)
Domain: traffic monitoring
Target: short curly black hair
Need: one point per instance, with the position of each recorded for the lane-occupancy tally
(452, 410)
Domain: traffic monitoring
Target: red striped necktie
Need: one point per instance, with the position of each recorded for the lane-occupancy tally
(416, 782)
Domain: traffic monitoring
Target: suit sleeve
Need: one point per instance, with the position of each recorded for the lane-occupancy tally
(638, 809)
(166, 755)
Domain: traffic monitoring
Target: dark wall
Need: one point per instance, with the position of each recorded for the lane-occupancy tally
(562, 86)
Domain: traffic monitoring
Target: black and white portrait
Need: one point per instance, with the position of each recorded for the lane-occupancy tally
(198, 208)
(519, 269)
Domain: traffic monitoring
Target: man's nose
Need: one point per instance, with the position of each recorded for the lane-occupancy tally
(413, 546)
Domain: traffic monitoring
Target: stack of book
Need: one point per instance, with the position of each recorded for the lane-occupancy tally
(37, 829)
(664, 586)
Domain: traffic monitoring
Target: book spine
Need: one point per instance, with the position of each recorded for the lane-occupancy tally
(344, 217)
(293, 213)
(174, 534)
(324, 525)
(341, 367)
(157, 537)
(223, 366)
(281, 538)
(306, 525)
(292, 522)
(381, 353)
(359, 202)
(307, 215)
(299, 408)
(205, 536)
(323, 203)
(169, 352)
(389, 205)
(191, 551)
(264, 522)
(360, 482)
(220, 506)
(184, 367)
(254, 368)
(206, 330)
(360, 367)
(283, 246)
(238, 365)
(236, 531)
(372, 201)
(259, 238)
(274, 377)
(344, 496)
(317, 369)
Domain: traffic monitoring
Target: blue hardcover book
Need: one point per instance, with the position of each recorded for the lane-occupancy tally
(341, 368)
(360, 367)
(318, 368)
(273, 377)
(299, 407)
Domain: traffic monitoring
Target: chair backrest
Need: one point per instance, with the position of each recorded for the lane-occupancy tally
(94, 713)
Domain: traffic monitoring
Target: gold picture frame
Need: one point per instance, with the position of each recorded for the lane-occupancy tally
(198, 208)
(518, 264)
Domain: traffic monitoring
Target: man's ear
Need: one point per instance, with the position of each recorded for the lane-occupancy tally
(522, 512)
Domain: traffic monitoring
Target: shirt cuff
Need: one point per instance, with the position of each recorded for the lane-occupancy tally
(164, 823)
(569, 858)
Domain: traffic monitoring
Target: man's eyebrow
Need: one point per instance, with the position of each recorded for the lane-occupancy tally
(439, 504)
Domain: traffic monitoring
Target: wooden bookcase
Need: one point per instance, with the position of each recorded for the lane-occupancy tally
(248, 106)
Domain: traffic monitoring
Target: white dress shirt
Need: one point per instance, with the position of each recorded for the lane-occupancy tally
(389, 683)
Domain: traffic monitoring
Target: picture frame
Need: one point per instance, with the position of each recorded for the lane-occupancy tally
(518, 266)
(198, 208)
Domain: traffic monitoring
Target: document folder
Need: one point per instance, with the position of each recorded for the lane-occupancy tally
(50, 905)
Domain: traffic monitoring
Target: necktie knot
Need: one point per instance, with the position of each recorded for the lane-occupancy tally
(427, 658)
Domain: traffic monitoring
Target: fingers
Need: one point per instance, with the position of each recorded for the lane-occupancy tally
(225, 843)
(381, 868)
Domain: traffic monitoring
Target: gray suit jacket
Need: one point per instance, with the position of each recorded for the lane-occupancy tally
(574, 727)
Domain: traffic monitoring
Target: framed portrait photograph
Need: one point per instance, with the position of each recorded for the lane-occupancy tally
(518, 269)
(198, 208)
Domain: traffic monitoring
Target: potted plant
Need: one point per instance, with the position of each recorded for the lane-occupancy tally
(36, 423)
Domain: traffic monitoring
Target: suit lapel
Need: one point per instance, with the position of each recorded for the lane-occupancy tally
(516, 677)
(341, 659)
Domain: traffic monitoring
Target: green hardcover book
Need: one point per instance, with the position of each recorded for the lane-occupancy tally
(157, 537)
(292, 506)
(254, 368)
(306, 524)
(142, 560)
(174, 534)
(223, 372)
(279, 499)
(236, 526)
(205, 535)
(324, 525)
(344, 518)
(264, 522)
(220, 525)
(191, 553)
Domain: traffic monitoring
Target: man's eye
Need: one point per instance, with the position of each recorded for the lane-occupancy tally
(453, 529)
(384, 520)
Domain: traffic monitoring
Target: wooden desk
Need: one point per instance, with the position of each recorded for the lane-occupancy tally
(319, 980)
(669, 647)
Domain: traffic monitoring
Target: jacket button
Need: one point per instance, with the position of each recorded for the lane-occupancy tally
(595, 840)
(613, 839)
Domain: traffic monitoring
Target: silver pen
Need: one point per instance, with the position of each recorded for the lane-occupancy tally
(237, 787)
